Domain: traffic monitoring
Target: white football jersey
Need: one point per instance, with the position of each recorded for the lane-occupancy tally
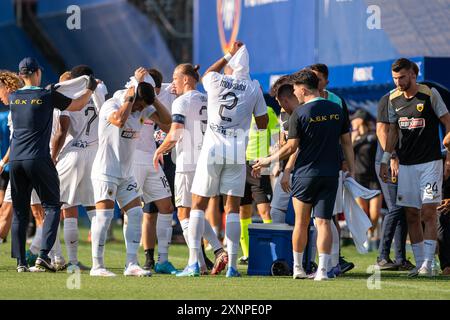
(231, 104)
(116, 146)
(146, 145)
(83, 129)
(166, 97)
(191, 110)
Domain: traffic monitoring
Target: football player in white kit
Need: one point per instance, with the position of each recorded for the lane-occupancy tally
(221, 169)
(189, 121)
(149, 225)
(153, 183)
(121, 119)
(74, 148)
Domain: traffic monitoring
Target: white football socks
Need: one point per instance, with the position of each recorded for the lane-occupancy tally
(211, 236)
(91, 215)
(71, 239)
(323, 264)
(99, 230)
(163, 233)
(185, 227)
(233, 235)
(429, 251)
(419, 253)
(298, 260)
(133, 234)
(195, 232)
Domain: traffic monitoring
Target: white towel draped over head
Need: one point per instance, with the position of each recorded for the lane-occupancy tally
(240, 63)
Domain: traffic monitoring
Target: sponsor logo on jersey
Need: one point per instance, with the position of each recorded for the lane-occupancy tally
(419, 107)
(228, 22)
(130, 134)
(409, 124)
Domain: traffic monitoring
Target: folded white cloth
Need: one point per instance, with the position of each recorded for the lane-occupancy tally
(357, 221)
(240, 63)
(75, 88)
(133, 82)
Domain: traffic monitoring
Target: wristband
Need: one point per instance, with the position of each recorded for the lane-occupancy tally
(386, 157)
(2, 163)
(228, 57)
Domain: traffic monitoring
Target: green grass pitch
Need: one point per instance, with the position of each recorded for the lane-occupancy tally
(352, 286)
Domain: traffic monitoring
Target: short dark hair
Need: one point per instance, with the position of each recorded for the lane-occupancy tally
(415, 68)
(81, 70)
(321, 68)
(157, 77)
(282, 87)
(146, 93)
(307, 78)
(402, 63)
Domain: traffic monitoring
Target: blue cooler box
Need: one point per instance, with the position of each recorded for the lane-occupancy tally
(268, 242)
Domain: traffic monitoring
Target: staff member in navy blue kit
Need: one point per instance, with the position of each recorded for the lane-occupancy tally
(315, 128)
(30, 162)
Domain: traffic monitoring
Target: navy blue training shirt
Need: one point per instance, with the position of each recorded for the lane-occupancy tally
(32, 118)
(319, 125)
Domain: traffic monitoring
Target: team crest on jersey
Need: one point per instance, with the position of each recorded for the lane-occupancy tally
(419, 107)
(141, 120)
(228, 21)
(110, 193)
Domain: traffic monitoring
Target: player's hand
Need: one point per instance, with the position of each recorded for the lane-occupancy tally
(261, 163)
(256, 173)
(92, 83)
(286, 182)
(140, 73)
(158, 158)
(235, 47)
(394, 168)
(384, 172)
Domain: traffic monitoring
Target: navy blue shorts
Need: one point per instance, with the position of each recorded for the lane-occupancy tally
(318, 191)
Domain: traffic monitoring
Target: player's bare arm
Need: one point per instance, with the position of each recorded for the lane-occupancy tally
(162, 117)
(60, 136)
(347, 148)
(119, 117)
(286, 175)
(390, 147)
(289, 148)
(171, 140)
(222, 62)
